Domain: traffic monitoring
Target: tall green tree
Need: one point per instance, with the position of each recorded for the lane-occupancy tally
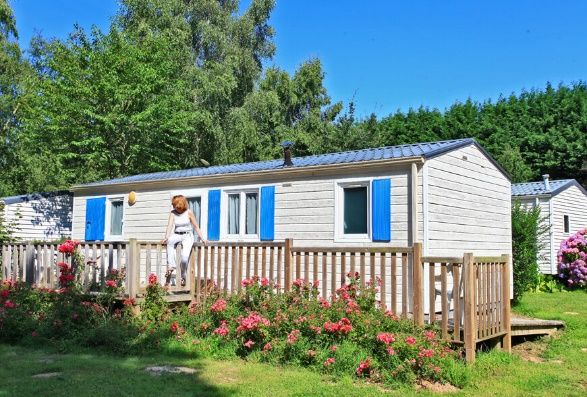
(11, 67)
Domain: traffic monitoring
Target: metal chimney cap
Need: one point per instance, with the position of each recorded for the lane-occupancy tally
(287, 144)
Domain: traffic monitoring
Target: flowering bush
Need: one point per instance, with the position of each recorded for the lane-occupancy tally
(349, 335)
(572, 260)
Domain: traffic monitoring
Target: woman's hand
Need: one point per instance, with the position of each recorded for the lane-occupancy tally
(164, 241)
(205, 242)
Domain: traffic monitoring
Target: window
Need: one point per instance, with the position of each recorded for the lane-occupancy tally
(352, 211)
(567, 224)
(242, 215)
(355, 210)
(195, 205)
(116, 215)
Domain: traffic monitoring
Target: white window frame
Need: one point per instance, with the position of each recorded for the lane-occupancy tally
(107, 226)
(203, 195)
(242, 191)
(339, 235)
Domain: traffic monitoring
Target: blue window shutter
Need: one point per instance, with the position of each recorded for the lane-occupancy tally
(95, 219)
(267, 213)
(214, 215)
(381, 209)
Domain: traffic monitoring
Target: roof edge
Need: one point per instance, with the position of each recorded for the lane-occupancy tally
(260, 174)
(571, 182)
(466, 142)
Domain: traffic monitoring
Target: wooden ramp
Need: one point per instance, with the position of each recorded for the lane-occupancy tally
(533, 326)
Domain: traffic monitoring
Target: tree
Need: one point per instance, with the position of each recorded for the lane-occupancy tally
(10, 76)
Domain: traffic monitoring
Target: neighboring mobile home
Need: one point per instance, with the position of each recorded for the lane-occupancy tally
(39, 216)
(450, 195)
(563, 206)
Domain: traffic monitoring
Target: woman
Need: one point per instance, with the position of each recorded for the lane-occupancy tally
(181, 220)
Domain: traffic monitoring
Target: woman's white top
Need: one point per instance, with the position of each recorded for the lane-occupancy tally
(182, 222)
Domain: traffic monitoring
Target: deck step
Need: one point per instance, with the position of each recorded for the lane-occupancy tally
(532, 326)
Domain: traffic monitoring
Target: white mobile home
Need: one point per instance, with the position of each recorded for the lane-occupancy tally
(39, 216)
(563, 206)
(450, 195)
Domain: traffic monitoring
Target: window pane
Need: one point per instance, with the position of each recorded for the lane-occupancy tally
(233, 213)
(355, 210)
(251, 213)
(195, 206)
(116, 218)
(567, 224)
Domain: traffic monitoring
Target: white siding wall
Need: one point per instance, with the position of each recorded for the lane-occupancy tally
(469, 205)
(304, 209)
(41, 219)
(546, 260)
(572, 202)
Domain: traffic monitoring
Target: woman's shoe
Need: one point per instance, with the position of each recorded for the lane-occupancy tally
(168, 274)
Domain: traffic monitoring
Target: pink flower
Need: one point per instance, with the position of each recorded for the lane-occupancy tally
(218, 306)
(324, 303)
(264, 282)
(174, 327)
(333, 348)
(251, 323)
(248, 344)
(152, 278)
(9, 304)
(364, 368)
(430, 335)
(222, 330)
(410, 340)
(111, 284)
(293, 336)
(386, 338)
(68, 247)
(267, 347)
(329, 361)
(426, 353)
(390, 351)
(34, 334)
(4, 293)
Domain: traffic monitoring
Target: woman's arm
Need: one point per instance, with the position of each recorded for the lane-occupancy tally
(168, 229)
(195, 224)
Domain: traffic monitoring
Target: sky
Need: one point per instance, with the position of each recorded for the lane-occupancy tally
(389, 55)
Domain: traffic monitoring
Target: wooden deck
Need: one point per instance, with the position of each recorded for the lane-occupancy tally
(534, 327)
(469, 295)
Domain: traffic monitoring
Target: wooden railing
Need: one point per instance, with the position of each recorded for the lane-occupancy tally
(467, 297)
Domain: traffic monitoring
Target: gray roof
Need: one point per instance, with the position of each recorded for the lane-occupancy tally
(426, 150)
(33, 196)
(539, 188)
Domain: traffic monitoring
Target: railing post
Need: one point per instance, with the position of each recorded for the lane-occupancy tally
(133, 267)
(29, 270)
(287, 264)
(505, 299)
(194, 257)
(418, 285)
(470, 324)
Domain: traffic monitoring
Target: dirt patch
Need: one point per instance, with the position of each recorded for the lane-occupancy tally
(437, 387)
(533, 350)
(530, 350)
(158, 370)
(47, 375)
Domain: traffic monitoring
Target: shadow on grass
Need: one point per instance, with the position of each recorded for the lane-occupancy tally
(89, 374)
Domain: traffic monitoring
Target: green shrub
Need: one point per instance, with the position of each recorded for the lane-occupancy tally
(527, 230)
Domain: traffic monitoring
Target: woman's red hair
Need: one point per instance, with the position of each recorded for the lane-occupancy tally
(180, 203)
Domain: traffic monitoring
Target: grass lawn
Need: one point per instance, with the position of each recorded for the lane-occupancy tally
(562, 371)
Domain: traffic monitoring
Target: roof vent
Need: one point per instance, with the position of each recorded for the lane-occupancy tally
(546, 182)
(287, 145)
